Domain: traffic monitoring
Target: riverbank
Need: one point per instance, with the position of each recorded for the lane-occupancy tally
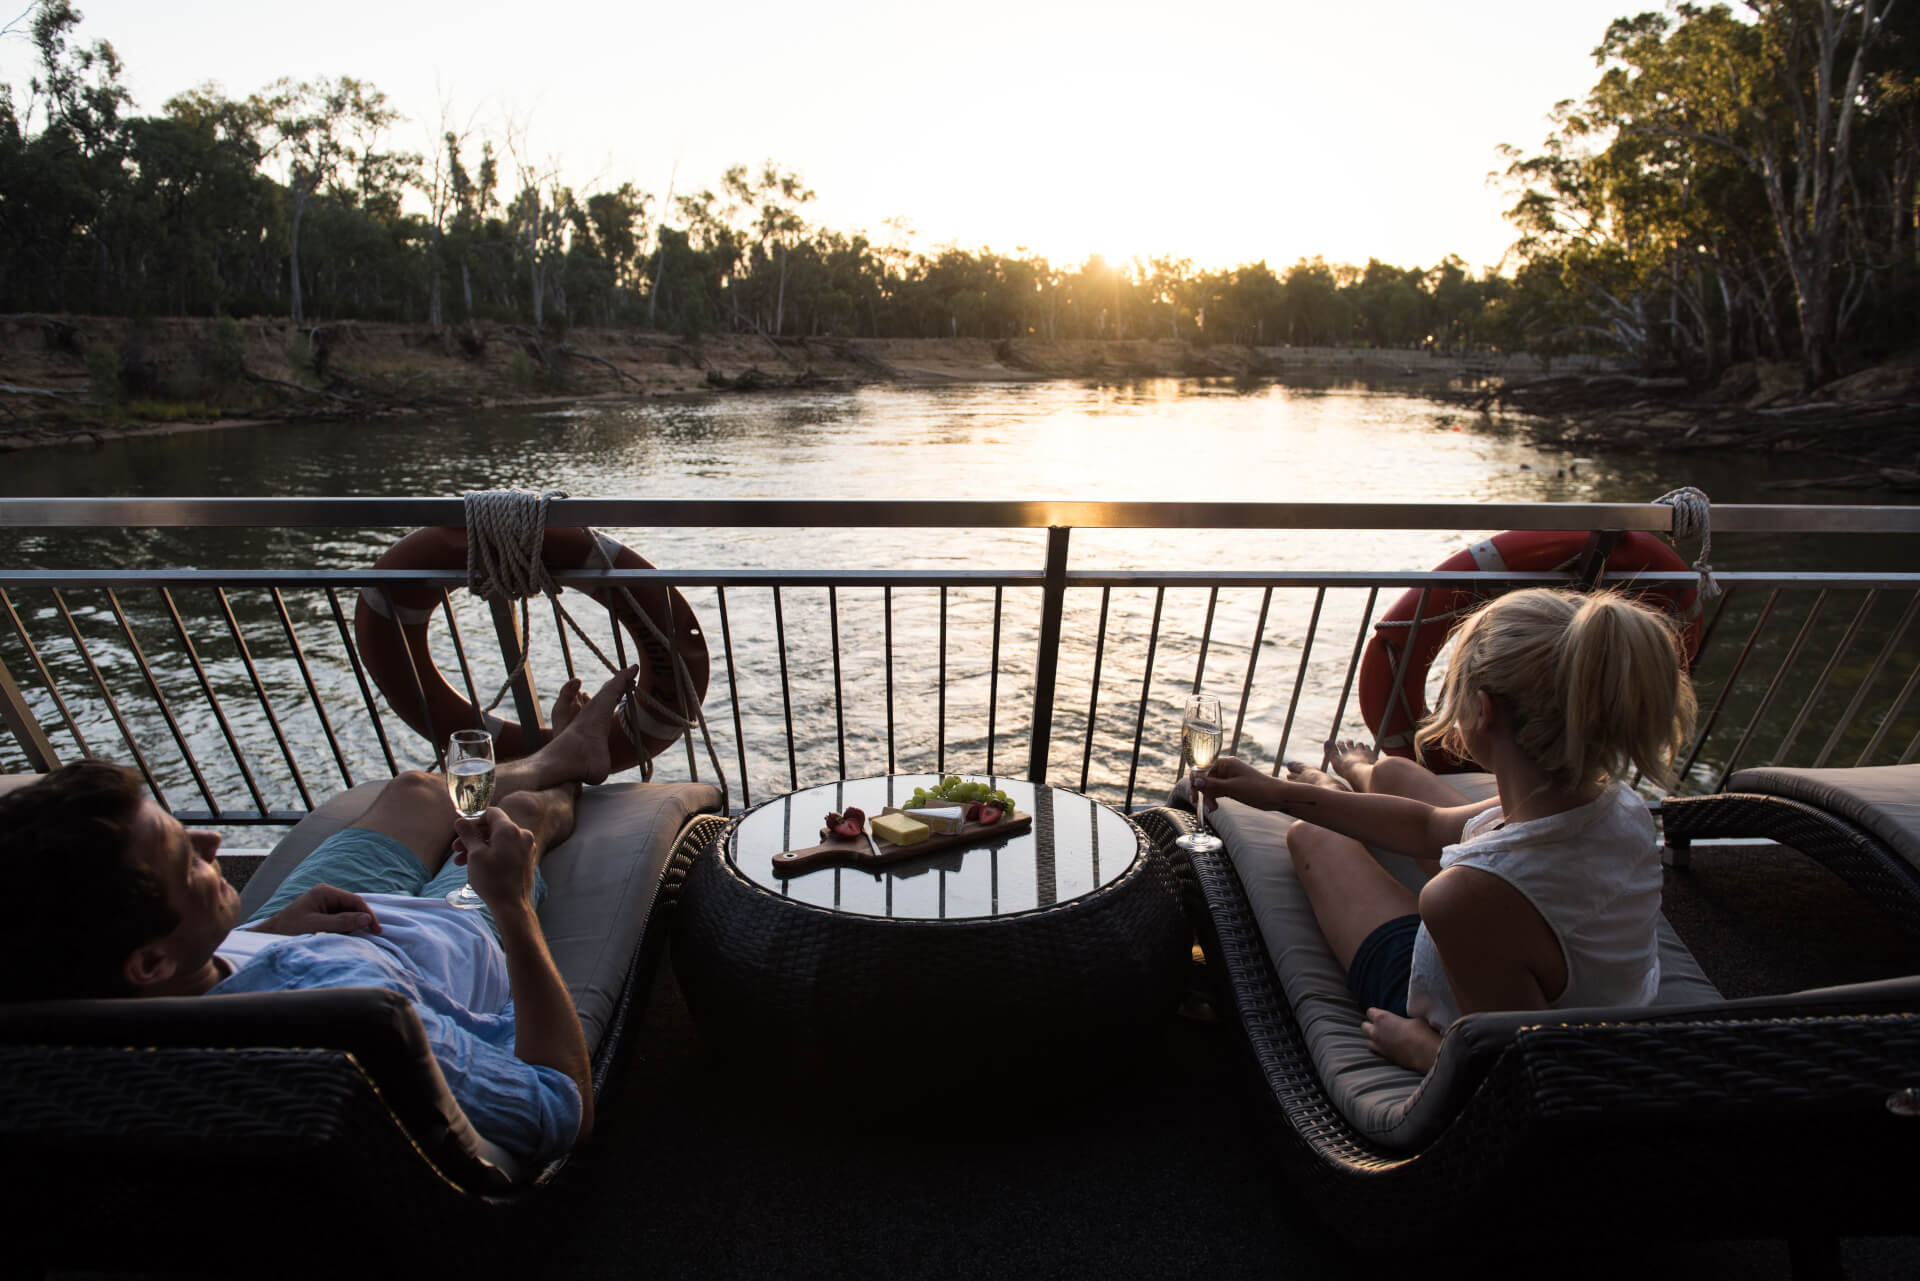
(80, 379)
(1870, 418)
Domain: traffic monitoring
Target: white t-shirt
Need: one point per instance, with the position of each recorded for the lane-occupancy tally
(1593, 874)
(447, 964)
(448, 946)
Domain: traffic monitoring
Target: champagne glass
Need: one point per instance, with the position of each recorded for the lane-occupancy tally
(470, 784)
(1199, 744)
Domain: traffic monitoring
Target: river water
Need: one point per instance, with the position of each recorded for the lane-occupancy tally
(1165, 440)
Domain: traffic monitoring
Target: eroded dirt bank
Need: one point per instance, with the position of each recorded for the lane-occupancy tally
(76, 379)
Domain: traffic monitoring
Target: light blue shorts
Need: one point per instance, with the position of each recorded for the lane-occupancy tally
(369, 862)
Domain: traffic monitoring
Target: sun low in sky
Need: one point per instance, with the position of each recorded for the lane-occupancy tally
(1221, 133)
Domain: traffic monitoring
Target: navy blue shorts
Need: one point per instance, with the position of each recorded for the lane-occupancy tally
(1383, 963)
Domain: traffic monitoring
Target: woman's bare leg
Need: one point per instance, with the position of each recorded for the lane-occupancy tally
(1368, 771)
(1351, 894)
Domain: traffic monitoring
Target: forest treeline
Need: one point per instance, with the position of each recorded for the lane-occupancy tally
(1733, 187)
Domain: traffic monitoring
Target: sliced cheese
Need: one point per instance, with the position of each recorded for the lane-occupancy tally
(898, 829)
(943, 819)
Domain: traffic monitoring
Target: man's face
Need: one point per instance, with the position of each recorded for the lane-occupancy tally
(182, 863)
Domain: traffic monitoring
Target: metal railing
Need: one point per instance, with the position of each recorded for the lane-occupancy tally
(242, 686)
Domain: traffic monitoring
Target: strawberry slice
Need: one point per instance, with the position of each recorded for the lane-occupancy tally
(851, 823)
(984, 813)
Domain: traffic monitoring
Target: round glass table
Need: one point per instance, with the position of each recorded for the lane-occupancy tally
(1075, 846)
(1038, 938)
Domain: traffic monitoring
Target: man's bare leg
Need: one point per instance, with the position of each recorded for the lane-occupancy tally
(415, 810)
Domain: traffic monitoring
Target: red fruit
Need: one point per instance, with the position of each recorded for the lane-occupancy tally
(984, 813)
(851, 823)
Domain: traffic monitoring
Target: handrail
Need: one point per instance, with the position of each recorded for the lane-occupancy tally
(747, 513)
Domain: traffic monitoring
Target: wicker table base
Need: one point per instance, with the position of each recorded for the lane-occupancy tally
(766, 972)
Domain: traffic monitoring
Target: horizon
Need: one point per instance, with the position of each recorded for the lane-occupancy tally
(1025, 154)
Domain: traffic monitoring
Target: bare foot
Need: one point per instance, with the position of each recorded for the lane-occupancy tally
(1353, 760)
(566, 705)
(578, 751)
(1300, 772)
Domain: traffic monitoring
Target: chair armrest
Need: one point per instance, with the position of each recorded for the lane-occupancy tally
(376, 1027)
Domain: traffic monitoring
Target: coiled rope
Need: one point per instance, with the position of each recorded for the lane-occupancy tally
(1693, 515)
(506, 533)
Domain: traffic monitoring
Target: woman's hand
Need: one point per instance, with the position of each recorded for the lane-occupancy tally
(1233, 779)
(1412, 1043)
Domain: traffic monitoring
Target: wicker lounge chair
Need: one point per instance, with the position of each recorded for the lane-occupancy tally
(1863, 824)
(248, 1123)
(1774, 1117)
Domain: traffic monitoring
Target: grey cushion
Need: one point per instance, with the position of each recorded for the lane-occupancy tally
(1380, 1099)
(1883, 799)
(601, 881)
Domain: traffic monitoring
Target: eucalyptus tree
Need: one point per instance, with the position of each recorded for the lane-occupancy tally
(327, 134)
(1690, 95)
(775, 196)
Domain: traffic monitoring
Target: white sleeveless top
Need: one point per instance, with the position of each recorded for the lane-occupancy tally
(1593, 873)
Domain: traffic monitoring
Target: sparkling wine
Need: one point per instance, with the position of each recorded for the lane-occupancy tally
(470, 783)
(1201, 742)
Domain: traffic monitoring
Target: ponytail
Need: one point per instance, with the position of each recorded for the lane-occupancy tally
(1591, 684)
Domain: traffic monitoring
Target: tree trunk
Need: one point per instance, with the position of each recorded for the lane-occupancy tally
(780, 295)
(293, 252)
(1816, 329)
(435, 309)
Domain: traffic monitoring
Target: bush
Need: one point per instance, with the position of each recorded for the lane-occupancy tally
(220, 354)
(103, 376)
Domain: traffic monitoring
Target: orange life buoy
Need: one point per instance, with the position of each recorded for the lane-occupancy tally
(1393, 718)
(396, 652)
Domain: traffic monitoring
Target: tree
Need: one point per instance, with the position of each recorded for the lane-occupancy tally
(1783, 97)
(776, 200)
(326, 131)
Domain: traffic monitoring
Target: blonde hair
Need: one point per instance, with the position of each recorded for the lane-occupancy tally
(1592, 684)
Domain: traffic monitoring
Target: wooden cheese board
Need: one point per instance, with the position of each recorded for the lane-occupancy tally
(856, 851)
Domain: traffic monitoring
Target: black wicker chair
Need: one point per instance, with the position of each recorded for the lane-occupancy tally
(213, 1132)
(1777, 1117)
(1862, 824)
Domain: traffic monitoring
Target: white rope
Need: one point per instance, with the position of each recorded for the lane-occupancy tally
(1693, 515)
(505, 530)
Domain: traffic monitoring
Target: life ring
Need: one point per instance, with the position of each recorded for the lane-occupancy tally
(1393, 719)
(396, 652)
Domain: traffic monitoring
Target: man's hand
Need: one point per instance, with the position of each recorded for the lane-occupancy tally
(1233, 779)
(322, 910)
(1412, 1043)
(499, 857)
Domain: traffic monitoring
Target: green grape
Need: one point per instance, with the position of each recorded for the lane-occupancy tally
(951, 780)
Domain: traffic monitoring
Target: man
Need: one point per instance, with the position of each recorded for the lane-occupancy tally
(115, 898)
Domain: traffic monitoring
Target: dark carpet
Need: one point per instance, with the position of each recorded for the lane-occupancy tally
(1148, 1162)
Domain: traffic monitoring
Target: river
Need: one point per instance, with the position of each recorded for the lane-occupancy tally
(1166, 440)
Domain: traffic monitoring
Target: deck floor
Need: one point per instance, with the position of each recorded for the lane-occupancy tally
(1153, 1164)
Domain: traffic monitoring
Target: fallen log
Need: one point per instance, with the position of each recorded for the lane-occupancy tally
(15, 389)
(568, 349)
(297, 388)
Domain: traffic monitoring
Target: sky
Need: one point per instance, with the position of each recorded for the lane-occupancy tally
(1221, 133)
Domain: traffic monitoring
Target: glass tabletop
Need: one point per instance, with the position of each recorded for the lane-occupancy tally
(1075, 846)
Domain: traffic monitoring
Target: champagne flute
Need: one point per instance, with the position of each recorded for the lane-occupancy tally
(1199, 744)
(470, 784)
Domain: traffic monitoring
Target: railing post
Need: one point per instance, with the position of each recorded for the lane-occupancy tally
(526, 699)
(26, 729)
(1053, 602)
